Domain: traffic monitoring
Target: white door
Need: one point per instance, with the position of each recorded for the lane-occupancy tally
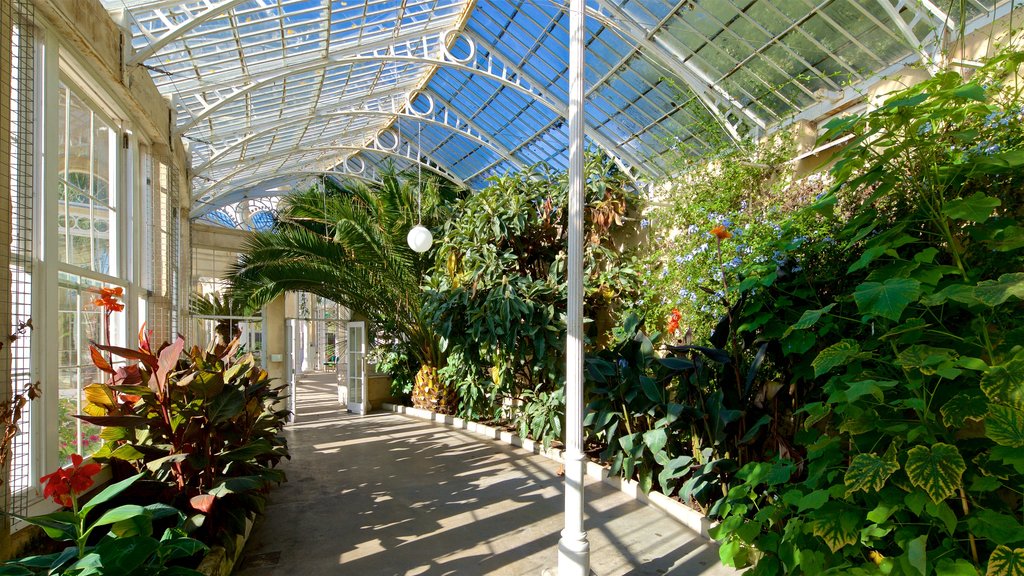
(357, 367)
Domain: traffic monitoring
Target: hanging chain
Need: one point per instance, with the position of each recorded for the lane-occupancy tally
(419, 174)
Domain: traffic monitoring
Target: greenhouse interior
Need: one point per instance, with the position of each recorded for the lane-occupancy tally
(561, 287)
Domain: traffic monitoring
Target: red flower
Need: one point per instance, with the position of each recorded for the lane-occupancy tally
(721, 232)
(66, 483)
(108, 299)
(673, 321)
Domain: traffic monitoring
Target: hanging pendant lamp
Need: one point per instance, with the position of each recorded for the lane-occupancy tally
(419, 238)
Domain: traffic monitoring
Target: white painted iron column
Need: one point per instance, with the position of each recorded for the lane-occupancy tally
(574, 548)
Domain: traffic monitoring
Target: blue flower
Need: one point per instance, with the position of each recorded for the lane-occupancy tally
(734, 263)
(679, 260)
(623, 363)
(926, 128)
(644, 223)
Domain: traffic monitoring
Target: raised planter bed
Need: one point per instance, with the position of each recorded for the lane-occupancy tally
(218, 562)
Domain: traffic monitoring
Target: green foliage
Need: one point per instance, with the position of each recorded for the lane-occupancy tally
(908, 362)
(396, 359)
(348, 244)
(748, 190)
(497, 294)
(679, 422)
(204, 424)
(128, 549)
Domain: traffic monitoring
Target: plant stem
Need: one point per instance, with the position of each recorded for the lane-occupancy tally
(82, 535)
(974, 545)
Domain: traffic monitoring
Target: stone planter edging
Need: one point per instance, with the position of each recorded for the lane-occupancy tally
(217, 562)
(682, 513)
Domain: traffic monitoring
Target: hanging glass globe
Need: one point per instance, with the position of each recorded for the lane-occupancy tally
(420, 239)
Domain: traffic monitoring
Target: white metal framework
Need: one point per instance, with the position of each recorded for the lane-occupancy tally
(272, 91)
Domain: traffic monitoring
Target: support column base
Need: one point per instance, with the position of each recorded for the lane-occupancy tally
(574, 554)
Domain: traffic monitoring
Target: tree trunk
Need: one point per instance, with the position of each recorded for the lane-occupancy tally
(429, 393)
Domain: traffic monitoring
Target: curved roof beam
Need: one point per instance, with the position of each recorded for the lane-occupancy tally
(444, 119)
(328, 163)
(266, 189)
(180, 30)
(390, 54)
(216, 81)
(716, 99)
(498, 146)
(629, 163)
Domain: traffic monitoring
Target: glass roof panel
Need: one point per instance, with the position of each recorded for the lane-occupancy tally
(271, 87)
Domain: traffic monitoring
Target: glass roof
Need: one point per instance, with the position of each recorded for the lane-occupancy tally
(270, 93)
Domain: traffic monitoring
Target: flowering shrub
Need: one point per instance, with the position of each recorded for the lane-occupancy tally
(733, 204)
(128, 549)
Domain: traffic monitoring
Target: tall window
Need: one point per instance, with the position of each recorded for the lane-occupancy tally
(87, 218)
(88, 245)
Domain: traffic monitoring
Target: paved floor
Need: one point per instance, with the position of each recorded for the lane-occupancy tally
(387, 494)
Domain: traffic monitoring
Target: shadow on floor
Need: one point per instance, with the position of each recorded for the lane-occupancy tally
(385, 494)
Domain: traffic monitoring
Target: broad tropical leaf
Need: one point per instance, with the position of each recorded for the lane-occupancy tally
(963, 407)
(977, 207)
(838, 528)
(835, 355)
(1005, 383)
(1006, 562)
(1004, 425)
(935, 469)
(810, 318)
(886, 299)
(868, 472)
(995, 292)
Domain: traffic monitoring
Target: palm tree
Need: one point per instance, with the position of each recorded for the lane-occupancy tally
(347, 243)
(226, 309)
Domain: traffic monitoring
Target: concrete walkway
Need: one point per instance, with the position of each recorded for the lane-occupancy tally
(386, 494)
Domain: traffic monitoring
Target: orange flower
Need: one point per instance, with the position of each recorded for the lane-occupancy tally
(108, 299)
(673, 321)
(68, 483)
(721, 232)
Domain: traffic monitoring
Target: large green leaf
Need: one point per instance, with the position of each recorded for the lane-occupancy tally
(58, 525)
(109, 492)
(226, 405)
(957, 567)
(970, 405)
(935, 469)
(1005, 383)
(655, 440)
(887, 299)
(1006, 562)
(125, 555)
(869, 472)
(917, 554)
(838, 526)
(120, 513)
(996, 527)
(977, 207)
(238, 485)
(835, 355)
(810, 318)
(1004, 425)
(995, 292)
